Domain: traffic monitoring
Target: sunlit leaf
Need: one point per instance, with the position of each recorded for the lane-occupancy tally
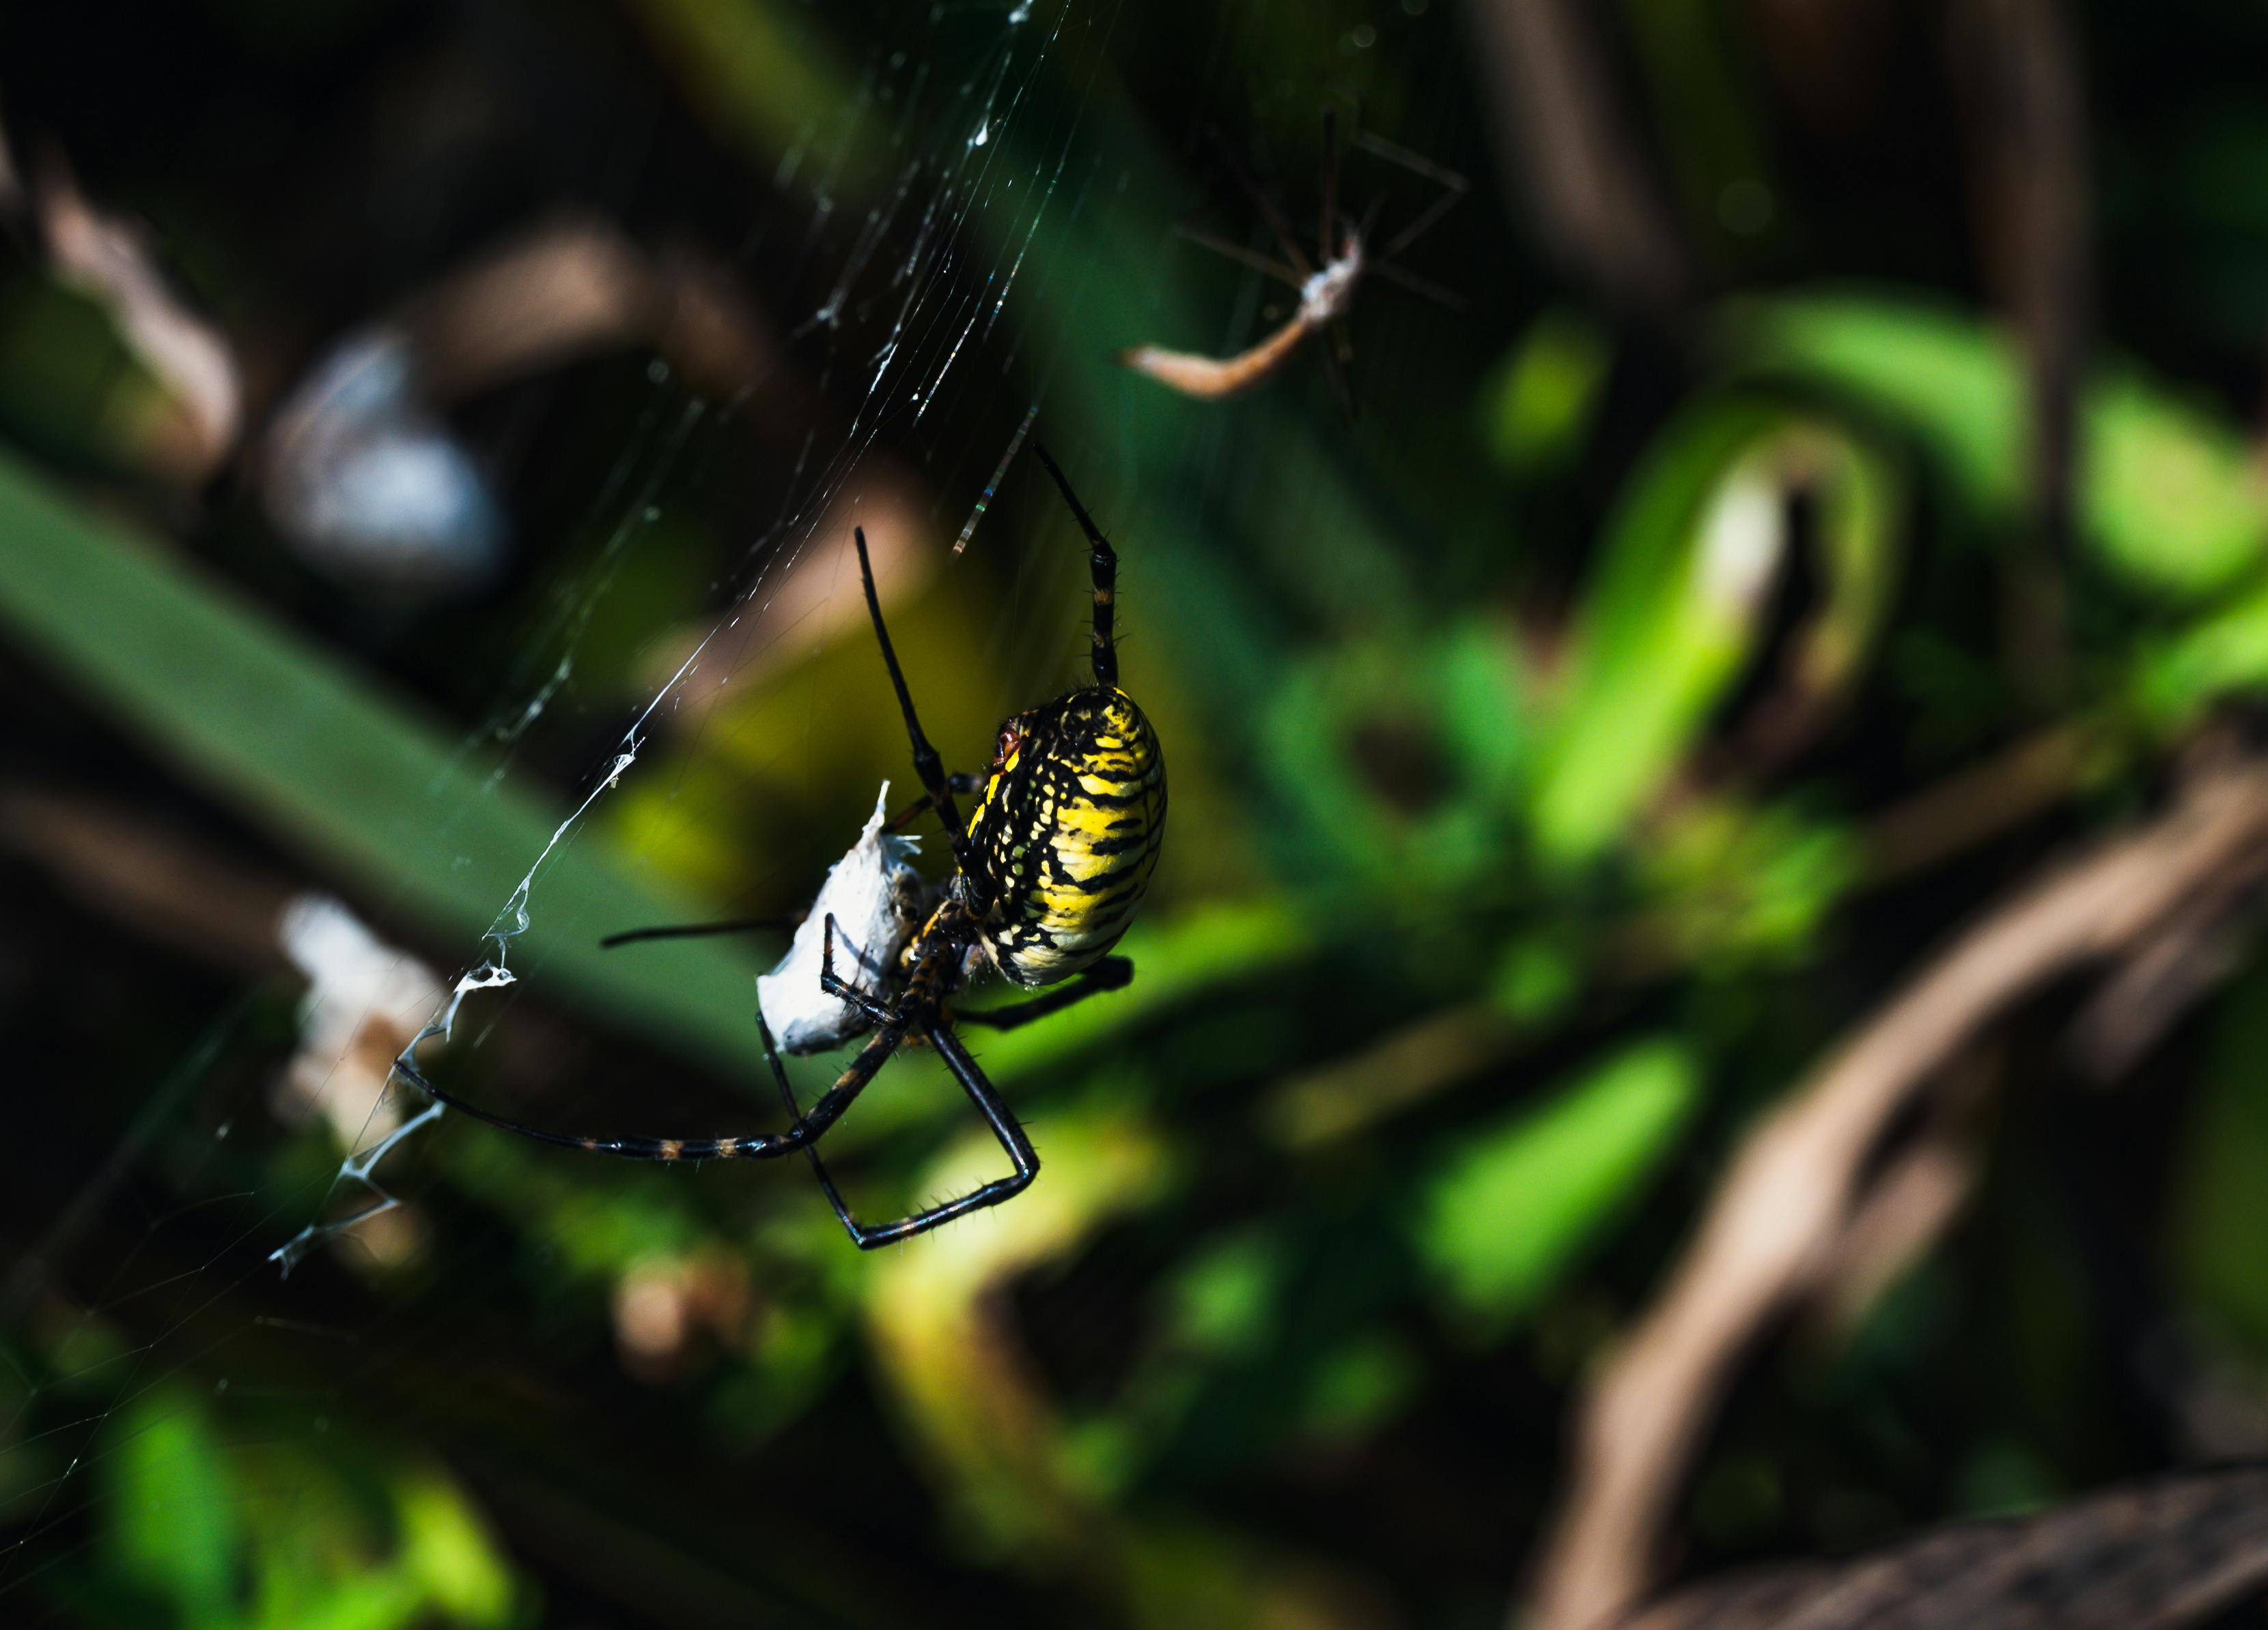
(1541, 403)
(174, 1530)
(1512, 1205)
(446, 1550)
(2169, 495)
(1683, 586)
(931, 1308)
(2221, 654)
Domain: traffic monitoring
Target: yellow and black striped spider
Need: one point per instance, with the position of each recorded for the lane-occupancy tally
(1047, 872)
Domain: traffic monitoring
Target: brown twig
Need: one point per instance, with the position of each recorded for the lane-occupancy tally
(1593, 201)
(114, 262)
(164, 884)
(1910, 1203)
(2020, 66)
(1982, 802)
(2152, 1557)
(575, 287)
(1805, 1175)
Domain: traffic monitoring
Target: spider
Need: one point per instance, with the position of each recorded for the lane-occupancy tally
(1047, 871)
(1326, 292)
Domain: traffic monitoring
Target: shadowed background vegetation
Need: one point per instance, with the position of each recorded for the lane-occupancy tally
(1825, 515)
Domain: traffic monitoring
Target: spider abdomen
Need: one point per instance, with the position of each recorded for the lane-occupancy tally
(1068, 833)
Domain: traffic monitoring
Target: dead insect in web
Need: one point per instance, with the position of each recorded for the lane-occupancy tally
(1343, 259)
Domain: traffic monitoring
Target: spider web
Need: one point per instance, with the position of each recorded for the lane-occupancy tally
(945, 294)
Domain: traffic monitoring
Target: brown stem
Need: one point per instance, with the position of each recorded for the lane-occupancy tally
(1802, 1177)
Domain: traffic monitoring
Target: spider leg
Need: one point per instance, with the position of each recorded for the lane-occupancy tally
(697, 930)
(1338, 353)
(795, 1117)
(760, 1146)
(1102, 562)
(959, 782)
(1110, 973)
(1454, 187)
(1424, 288)
(927, 764)
(1239, 253)
(835, 985)
(1324, 251)
(1277, 223)
(997, 1115)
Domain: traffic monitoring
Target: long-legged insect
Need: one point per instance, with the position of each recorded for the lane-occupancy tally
(1326, 289)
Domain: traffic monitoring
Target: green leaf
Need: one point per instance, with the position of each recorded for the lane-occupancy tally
(351, 778)
(1683, 587)
(1394, 760)
(1733, 882)
(2218, 655)
(1506, 1214)
(1542, 401)
(446, 1550)
(175, 1531)
(2168, 497)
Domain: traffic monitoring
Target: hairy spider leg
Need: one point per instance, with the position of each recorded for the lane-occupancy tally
(1102, 563)
(933, 958)
(701, 930)
(997, 1116)
(805, 1130)
(927, 765)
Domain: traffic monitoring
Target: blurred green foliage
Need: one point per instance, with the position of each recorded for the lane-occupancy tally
(1508, 1214)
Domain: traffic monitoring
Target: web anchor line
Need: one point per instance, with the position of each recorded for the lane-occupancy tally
(999, 474)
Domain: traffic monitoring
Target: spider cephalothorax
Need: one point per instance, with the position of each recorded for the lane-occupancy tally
(1047, 871)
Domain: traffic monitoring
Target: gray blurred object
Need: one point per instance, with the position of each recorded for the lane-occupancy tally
(368, 483)
(365, 480)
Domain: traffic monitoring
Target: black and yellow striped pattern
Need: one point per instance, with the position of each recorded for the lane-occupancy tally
(1067, 833)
